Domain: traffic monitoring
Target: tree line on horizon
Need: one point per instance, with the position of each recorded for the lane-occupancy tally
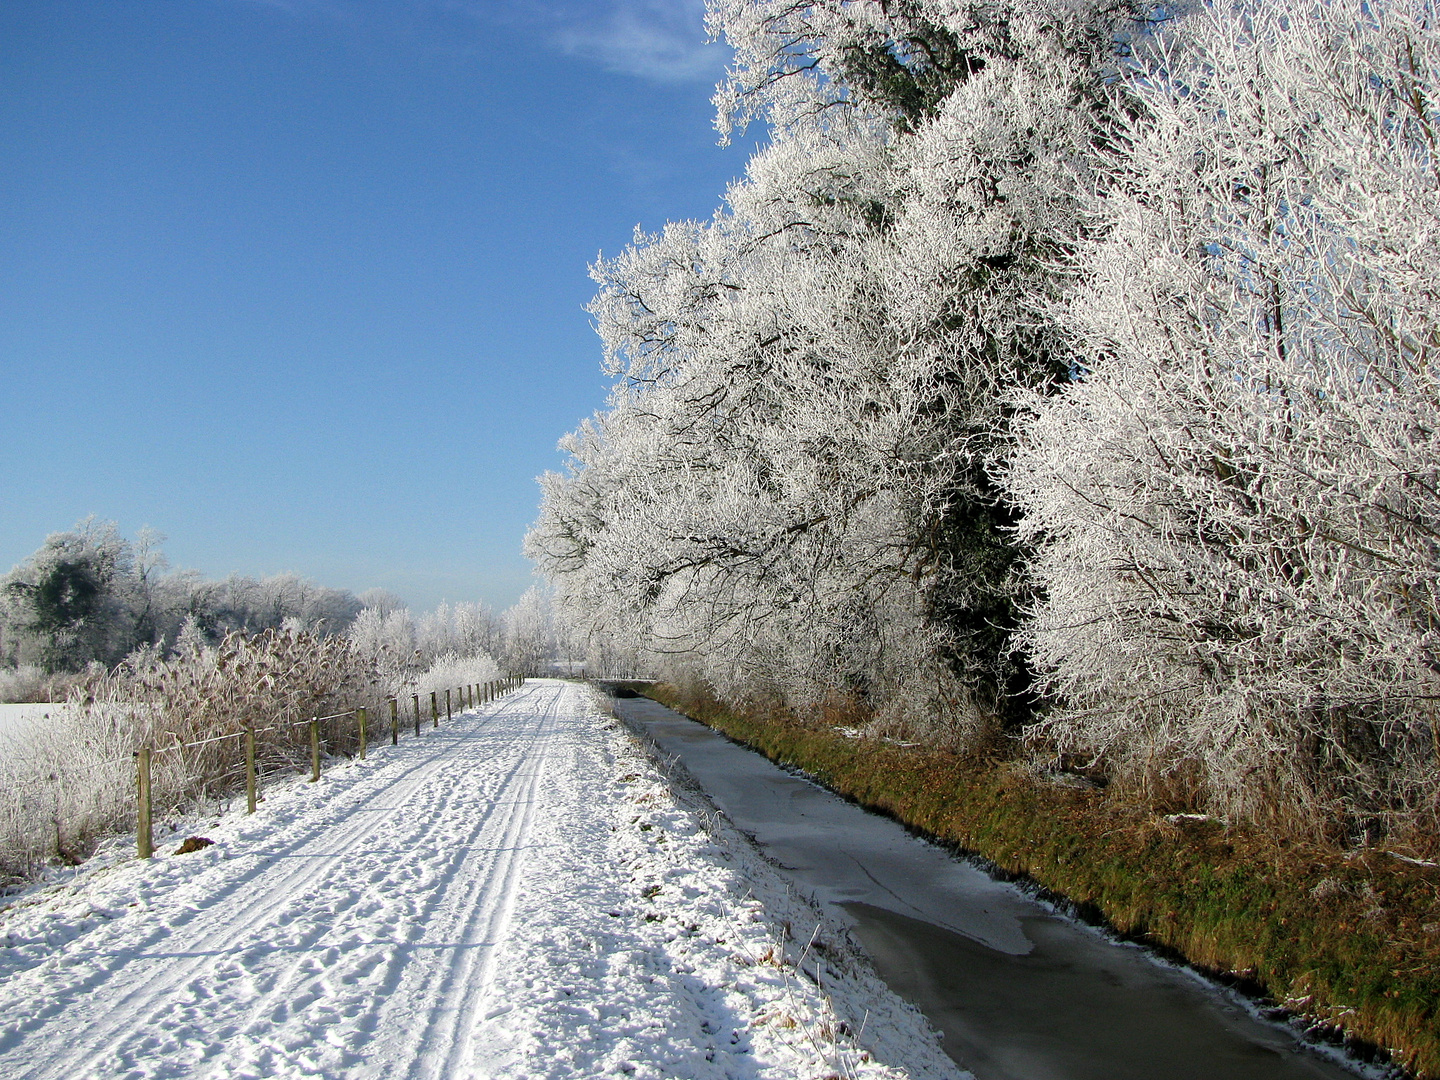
(1056, 380)
(89, 599)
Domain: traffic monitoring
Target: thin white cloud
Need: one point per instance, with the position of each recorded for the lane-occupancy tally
(660, 40)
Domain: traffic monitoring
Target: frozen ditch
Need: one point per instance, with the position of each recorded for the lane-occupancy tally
(1019, 992)
(517, 894)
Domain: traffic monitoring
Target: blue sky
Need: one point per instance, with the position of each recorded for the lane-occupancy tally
(300, 283)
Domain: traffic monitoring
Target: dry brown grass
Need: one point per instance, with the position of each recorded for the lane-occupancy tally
(71, 782)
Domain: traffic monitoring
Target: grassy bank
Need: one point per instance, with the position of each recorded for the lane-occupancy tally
(1349, 939)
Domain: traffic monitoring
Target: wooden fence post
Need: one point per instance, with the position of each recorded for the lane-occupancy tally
(314, 749)
(434, 710)
(416, 698)
(250, 769)
(447, 704)
(144, 840)
(394, 722)
(362, 715)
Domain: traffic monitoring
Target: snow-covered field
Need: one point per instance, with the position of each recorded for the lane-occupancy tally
(15, 718)
(518, 894)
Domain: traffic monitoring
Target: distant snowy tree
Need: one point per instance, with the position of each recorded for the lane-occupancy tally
(530, 638)
(475, 629)
(91, 596)
(382, 600)
(466, 629)
(66, 604)
(192, 639)
(387, 638)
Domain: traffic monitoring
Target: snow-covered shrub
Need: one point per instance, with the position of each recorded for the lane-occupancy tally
(452, 671)
(71, 779)
(272, 681)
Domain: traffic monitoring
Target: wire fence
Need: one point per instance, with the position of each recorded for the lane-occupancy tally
(62, 809)
(333, 733)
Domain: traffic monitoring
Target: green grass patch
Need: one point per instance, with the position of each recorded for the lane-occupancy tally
(1348, 939)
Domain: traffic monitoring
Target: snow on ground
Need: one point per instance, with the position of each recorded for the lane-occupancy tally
(518, 894)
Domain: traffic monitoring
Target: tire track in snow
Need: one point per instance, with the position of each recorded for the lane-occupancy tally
(479, 919)
(128, 996)
(465, 874)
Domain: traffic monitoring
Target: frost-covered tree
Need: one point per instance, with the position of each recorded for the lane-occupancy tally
(387, 638)
(465, 629)
(402, 646)
(67, 604)
(383, 600)
(791, 487)
(1039, 342)
(1236, 505)
(531, 640)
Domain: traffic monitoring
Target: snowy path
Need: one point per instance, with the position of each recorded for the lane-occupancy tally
(493, 899)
